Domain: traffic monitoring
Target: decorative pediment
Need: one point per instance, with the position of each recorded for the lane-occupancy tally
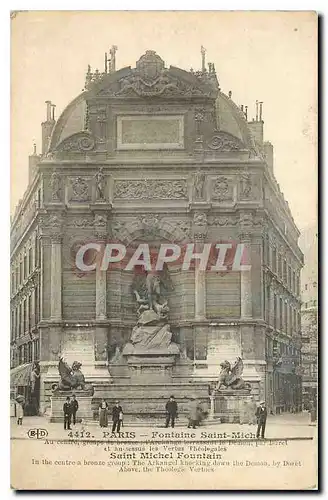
(223, 141)
(81, 142)
(150, 78)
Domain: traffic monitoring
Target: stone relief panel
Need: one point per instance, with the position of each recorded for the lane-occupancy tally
(79, 189)
(222, 141)
(82, 142)
(150, 189)
(222, 189)
(150, 132)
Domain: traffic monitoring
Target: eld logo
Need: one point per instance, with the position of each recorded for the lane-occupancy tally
(37, 433)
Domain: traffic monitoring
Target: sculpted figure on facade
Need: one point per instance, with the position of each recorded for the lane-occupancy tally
(199, 181)
(152, 330)
(245, 184)
(55, 186)
(100, 185)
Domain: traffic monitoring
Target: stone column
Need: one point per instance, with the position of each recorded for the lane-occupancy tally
(199, 234)
(56, 277)
(200, 285)
(101, 290)
(246, 282)
(101, 329)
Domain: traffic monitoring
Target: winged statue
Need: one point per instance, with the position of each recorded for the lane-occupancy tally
(230, 376)
(71, 378)
(150, 289)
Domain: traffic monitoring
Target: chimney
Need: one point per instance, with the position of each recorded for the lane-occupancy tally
(256, 126)
(268, 151)
(47, 126)
(32, 164)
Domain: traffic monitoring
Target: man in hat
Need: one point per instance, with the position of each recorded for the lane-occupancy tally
(171, 409)
(117, 417)
(75, 407)
(67, 409)
(261, 416)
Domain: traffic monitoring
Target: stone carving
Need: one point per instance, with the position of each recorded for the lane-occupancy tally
(230, 376)
(199, 181)
(200, 219)
(80, 188)
(245, 184)
(152, 330)
(71, 378)
(224, 221)
(55, 186)
(53, 221)
(151, 189)
(100, 220)
(246, 219)
(77, 143)
(100, 185)
(150, 223)
(183, 225)
(220, 190)
(80, 222)
(223, 141)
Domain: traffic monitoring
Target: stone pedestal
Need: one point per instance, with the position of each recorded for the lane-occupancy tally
(233, 406)
(84, 412)
(150, 365)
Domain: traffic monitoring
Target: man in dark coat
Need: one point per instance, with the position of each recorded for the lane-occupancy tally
(261, 416)
(67, 409)
(117, 415)
(74, 407)
(171, 408)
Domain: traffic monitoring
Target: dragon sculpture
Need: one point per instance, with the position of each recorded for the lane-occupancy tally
(230, 376)
(71, 378)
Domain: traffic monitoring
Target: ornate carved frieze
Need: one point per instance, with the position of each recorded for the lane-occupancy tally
(222, 189)
(229, 220)
(150, 189)
(223, 141)
(79, 222)
(81, 142)
(80, 189)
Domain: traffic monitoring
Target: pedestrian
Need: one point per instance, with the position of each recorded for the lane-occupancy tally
(74, 407)
(193, 416)
(19, 413)
(117, 415)
(67, 409)
(261, 416)
(103, 414)
(171, 408)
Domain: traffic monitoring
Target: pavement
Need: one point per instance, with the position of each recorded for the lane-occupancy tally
(284, 426)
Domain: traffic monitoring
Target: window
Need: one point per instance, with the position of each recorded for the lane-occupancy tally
(29, 312)
(24, 317)
(284, 271)
(36, 350)
(306, 287)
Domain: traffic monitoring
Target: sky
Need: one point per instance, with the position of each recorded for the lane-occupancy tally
(265, 56)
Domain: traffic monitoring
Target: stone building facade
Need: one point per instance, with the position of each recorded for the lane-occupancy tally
(159, 155)
(309, 313)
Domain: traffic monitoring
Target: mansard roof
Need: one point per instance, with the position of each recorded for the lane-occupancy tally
(150, 80)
